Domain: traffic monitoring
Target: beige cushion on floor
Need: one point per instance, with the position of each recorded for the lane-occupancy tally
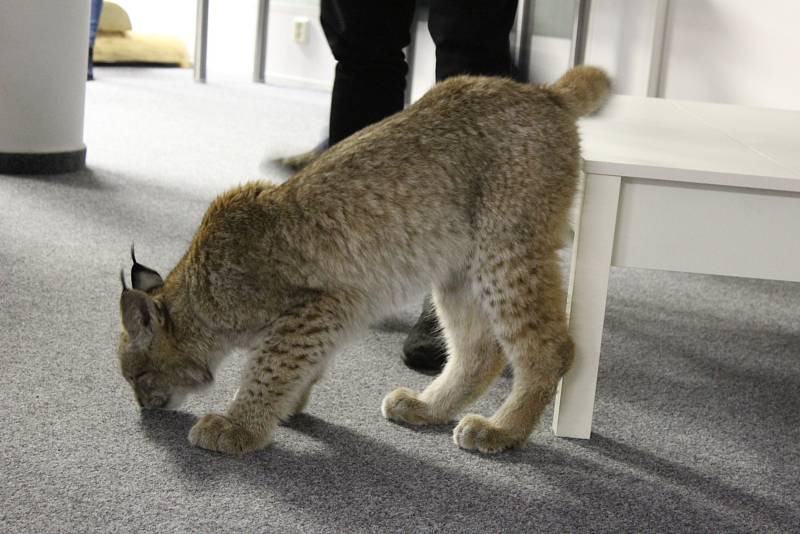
(140, 48)
(117, 43)
(114, 19)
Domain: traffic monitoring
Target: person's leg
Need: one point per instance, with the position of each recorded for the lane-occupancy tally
(97, 8)
(424, 349)
(367, 38)
(471, 37)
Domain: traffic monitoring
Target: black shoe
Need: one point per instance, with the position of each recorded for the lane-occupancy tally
(424, 349)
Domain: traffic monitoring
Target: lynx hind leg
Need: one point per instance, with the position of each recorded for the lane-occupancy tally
(474, 361)
(525, 301)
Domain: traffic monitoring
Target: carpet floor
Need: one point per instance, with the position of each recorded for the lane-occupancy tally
(697, 422)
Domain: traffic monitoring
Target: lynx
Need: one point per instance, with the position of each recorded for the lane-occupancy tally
(465, 194)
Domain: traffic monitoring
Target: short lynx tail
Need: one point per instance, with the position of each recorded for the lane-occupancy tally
(583, 89)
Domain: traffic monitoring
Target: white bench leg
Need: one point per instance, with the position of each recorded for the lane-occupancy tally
(586, 304)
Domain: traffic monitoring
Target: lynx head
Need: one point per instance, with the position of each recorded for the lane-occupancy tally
(152, 360)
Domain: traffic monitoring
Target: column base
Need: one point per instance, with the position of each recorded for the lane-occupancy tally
(42, 162)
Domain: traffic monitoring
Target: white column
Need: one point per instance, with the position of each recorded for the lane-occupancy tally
(43, 65)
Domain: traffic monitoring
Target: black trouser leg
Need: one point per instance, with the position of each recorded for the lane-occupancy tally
(471, 36)
(367, 38)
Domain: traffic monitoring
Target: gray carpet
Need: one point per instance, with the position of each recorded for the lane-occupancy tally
(697, 424)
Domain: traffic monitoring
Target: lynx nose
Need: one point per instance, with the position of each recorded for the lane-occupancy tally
(151, 403)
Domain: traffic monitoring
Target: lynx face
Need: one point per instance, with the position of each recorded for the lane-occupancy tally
(151, 360)
(157, 371)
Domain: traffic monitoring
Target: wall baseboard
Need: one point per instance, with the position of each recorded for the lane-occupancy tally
(297, 81)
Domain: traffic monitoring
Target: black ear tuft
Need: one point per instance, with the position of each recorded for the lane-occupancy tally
(144, 278)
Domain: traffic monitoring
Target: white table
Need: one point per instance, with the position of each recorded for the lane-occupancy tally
(678, 186)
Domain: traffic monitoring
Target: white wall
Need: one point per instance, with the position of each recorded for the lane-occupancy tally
(736, 51)
(619, 39)
(231, 37)
(732, 51)
(231, 30)
(308, 64)
(424, 75)
(170, 17)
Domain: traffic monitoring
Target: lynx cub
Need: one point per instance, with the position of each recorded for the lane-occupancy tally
(467, 192)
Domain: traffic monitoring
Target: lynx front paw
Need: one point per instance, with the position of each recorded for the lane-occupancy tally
(402, 405)
(475, 432)
(218, 433)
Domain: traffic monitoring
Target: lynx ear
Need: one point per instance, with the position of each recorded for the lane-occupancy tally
(138, 316)
(144, 278)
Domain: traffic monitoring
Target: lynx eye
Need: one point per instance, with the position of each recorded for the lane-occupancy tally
(130, 379)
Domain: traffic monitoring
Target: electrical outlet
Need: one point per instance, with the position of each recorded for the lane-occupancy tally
(300, 33)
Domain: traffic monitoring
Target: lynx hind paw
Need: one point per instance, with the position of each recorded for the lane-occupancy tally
(216, 432)
(403, 406)
(475, 432)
